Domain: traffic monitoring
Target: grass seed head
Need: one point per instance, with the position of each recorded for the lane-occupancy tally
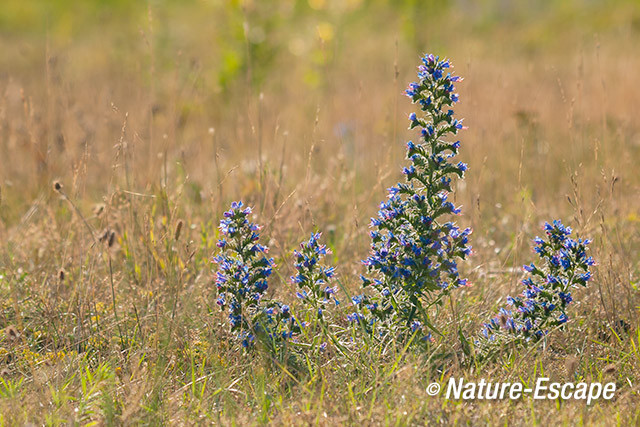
(12, 333)
(112, 239)
(179, 226)
(98, 209)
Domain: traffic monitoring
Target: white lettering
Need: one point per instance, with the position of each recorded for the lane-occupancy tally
(540, 388)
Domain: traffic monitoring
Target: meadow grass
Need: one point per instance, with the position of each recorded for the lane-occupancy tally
(127, 130)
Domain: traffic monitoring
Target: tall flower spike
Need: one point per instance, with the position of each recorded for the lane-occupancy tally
(243, 268)
(414, 248)
(312, 277)
(543, 303)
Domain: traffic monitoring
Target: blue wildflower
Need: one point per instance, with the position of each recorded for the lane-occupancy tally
(354, 317)
(357, 299)
(547, 287)
(415, 325)
(414, 253)
(312, 276)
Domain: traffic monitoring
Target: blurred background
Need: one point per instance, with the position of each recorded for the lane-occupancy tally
(297, 107)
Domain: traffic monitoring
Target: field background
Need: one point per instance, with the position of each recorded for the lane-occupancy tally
(160, 113)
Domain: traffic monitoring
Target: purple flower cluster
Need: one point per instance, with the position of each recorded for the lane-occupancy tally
(414, 250)
(543, 302)
(243, 268)
(275, 323)
(312, 277)
(413, 259)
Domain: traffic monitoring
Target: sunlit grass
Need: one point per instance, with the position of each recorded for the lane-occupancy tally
(161, 114)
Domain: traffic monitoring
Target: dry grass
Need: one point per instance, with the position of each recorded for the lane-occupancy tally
(105, 283)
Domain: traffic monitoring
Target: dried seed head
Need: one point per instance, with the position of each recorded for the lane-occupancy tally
(57, 185)
(98, 209)
(12, 333)
(105, 235)
(112, 238)
(62, 274)
(179, 226)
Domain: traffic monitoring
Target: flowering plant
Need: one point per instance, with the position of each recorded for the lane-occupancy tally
(313, 278)
(414, 248)
(413, 262)
(241, 280)
(547, 294)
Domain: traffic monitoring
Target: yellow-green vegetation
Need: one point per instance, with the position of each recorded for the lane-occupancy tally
(127, 128)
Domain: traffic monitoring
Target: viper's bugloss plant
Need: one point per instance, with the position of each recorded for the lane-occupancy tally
(543, 304)
(415, 247)
(243, 268)
(312, 277)
(412, 265)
